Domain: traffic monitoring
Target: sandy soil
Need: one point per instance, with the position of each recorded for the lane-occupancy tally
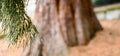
(105, 43)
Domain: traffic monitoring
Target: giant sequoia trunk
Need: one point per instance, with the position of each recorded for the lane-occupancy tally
(62, 24)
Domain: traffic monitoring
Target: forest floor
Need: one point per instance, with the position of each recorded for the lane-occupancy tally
(104, 43)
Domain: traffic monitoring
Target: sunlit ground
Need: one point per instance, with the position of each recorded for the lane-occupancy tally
(105, 43)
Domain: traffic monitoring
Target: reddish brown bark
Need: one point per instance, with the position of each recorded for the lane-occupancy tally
(64, 23)
(86, 21)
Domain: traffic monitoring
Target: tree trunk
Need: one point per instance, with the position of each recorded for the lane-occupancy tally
(86, 21)
(62, 24)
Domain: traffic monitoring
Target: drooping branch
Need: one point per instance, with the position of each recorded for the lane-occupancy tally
(16, 23)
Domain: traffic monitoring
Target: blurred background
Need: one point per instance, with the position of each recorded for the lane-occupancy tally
(107, 9)
(98, 3)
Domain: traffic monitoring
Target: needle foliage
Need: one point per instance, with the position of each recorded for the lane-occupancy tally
(15, 21)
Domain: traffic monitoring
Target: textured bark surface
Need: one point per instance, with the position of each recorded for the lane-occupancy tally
(86, 21)
(61, 24)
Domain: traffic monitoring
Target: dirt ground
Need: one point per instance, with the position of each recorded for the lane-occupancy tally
(105, 43)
